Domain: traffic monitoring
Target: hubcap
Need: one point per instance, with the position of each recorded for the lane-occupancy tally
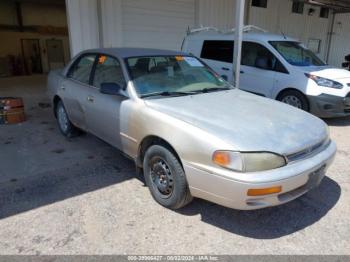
(62, 119)
(162, 177)
(293, 101)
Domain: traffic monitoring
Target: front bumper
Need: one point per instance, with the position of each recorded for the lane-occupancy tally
(296, 179)
(330, 106)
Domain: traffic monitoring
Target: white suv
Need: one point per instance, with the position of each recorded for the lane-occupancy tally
(277, 67)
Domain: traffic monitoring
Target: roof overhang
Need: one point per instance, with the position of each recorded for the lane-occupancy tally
(46, 2)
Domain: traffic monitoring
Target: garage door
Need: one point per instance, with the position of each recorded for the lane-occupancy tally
(157, 23)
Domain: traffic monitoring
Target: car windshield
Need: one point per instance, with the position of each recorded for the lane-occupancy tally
(173, 75)
(296, 54)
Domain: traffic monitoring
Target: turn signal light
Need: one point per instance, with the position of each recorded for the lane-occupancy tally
(264, 191)
(222, 158)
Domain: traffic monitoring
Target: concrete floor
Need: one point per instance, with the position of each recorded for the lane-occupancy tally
(81, 196)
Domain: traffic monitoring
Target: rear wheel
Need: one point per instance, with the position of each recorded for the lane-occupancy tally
(166, 178)
(65, 125)
(294, 98)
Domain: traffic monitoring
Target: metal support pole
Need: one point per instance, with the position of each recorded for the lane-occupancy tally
(240, 5)
(330, 37)
(19, 16)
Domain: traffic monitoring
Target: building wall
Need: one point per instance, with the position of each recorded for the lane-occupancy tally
(83, 25)
(11, 45)
(163, 23)
(44, 14)
(340, 41)
(33, 14)
(7, 14)
(300, 26)
(162, 26)
(276, 18)
(132, 23)
(218, 13)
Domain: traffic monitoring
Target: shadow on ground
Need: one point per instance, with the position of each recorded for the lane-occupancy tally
(17, 196)
(272, 222)
(33, 192)
(341, 121)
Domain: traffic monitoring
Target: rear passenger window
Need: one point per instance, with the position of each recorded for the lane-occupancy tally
(218, 50)
(108, 70)
(81, 71)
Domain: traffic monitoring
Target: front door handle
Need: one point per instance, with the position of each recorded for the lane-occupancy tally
(63, 87)
(225, 68)
(90, 99)
(242, 72)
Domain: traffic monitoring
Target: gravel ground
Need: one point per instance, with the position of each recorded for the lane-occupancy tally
(81, 196)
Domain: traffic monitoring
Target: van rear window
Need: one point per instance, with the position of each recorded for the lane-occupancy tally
(218, 50)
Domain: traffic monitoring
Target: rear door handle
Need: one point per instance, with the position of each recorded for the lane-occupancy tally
(242, 72)
(225, 68)
(63, 87)
(90, 98)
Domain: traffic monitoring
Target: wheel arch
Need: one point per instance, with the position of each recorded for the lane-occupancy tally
(149, 141)
(288, 89)
(55, 101)
(278, 97)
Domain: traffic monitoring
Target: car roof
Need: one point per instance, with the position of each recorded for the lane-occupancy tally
(134, 52)
(253, 36)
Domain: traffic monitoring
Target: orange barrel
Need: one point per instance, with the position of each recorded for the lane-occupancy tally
(11, 110)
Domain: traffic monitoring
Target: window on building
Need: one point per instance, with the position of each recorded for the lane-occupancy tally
(298, 7)
(108, 70)
(218, 50)
(259, 3)
(324, 13)
(82, 69)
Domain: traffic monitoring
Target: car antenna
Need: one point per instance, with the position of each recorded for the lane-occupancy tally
(284, 36)
(188, 30)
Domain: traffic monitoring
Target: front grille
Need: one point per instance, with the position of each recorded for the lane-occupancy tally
(308, 152)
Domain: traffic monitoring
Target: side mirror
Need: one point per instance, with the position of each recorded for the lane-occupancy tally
(225, 77)
(111, 89)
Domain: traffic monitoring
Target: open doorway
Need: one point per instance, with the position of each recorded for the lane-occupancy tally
(31, 56)
(34, 37)
(55, 53)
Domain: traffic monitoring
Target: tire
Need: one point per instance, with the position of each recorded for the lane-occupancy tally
(166, 178)
(294, 98)
(65, 125)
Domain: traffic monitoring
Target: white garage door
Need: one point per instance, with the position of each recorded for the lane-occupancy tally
(156, 23)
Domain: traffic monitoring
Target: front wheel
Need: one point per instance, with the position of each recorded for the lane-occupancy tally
(166, 178)
(294, 98)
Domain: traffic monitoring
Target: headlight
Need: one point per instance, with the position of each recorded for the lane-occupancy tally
(325, 82)
(248, 162)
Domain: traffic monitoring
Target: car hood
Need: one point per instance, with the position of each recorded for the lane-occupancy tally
(246, 121)
(328, 72)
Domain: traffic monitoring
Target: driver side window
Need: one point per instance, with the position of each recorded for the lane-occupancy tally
(108, 70)
(256, 55)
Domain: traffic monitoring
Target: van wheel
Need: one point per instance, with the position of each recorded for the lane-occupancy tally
(166, 178)
(65, 125)
(294, 98)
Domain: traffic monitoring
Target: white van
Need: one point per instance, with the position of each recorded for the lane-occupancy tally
(277, 67)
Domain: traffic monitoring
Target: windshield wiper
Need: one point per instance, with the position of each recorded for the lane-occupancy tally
(167, 93)
(213, 89)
